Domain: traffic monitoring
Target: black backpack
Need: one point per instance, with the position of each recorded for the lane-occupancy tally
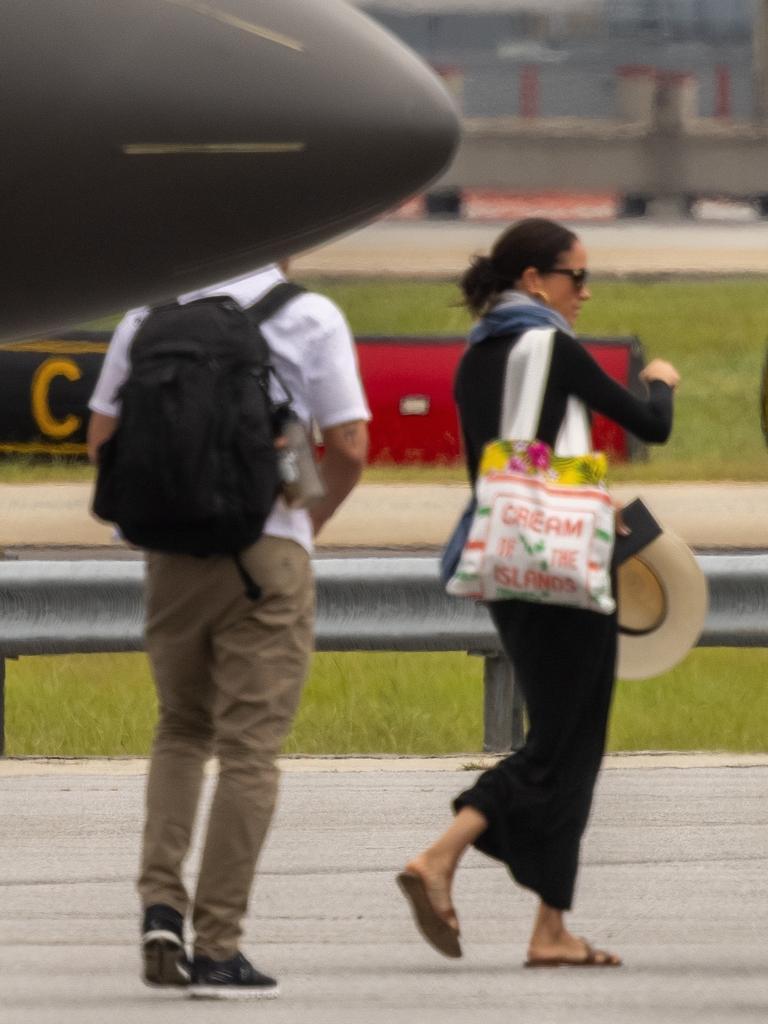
(191, 467)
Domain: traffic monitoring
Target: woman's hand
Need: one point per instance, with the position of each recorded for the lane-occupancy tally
(660, 369)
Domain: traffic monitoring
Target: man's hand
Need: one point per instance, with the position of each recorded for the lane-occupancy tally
(343, 461)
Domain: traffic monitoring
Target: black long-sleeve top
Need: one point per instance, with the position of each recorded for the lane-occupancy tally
(479, 385)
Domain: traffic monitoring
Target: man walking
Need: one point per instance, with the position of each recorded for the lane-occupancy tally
(229, 669)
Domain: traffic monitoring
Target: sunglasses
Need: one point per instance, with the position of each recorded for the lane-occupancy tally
(579, 277)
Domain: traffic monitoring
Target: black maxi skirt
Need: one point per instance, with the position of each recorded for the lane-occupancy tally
(537, 801)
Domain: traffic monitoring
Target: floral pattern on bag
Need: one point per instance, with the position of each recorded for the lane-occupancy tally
(535, 458)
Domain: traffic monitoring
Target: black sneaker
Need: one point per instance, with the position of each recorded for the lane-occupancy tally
(162, 941)
(236, 978)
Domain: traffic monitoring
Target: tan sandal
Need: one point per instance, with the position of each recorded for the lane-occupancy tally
(434, 928)
(592, 958)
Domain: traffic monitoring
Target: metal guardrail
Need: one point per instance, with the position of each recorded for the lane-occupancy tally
(364, 604)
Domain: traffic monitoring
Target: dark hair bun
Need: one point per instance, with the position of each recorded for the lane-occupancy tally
(479, 282)
(534, 242)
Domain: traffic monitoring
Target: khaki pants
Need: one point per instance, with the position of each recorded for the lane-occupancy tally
(229, 673)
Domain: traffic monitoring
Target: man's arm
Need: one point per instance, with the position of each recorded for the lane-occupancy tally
(346, 451)
(100, 428)
(114, 371)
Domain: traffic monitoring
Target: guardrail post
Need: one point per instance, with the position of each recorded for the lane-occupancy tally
(2, 707)
(502, 706)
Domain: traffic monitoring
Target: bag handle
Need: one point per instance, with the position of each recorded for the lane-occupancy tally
(525, 382)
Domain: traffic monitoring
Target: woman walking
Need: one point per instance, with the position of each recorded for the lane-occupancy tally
(531, 809)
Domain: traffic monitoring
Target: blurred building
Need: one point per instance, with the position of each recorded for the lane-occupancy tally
(576, 47)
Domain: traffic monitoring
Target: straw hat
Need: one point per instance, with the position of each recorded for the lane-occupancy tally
(662, 605)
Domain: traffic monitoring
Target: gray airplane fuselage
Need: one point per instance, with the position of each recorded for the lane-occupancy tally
(151, 146)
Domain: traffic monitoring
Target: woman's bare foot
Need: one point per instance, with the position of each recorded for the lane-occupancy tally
(552, 945)
(427, 879)
(428, 891)
(436, 874)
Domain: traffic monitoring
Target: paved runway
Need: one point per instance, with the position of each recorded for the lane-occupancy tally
(705, 515)
(443, 248)
(675, 877)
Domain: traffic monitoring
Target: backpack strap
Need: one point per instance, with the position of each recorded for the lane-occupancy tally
(269, 304)
(258, 313)
(266, 307)
(273, 301)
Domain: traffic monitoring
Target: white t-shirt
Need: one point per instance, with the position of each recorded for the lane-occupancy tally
(313, 352)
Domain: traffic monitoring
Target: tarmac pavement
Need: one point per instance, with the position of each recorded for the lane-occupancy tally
(730, 515)
(442, 248)
(675, 878)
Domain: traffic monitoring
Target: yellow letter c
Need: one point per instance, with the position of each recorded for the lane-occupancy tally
(41, 384)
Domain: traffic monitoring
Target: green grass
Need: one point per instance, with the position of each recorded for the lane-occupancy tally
(100, 704)
(26, 469)
(714, 331)
(717, 699)
(104, 705)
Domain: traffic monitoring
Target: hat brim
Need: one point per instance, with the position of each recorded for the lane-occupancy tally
(659, 641)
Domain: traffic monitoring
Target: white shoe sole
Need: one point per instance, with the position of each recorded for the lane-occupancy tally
(232, 992)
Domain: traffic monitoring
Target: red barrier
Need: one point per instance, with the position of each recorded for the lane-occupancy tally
(409, 384)
(45, 385)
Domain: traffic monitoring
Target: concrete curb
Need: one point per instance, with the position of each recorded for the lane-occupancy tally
(122, 766)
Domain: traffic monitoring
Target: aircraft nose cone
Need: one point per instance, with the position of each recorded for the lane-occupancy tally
(393, 126)
(157, 145)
